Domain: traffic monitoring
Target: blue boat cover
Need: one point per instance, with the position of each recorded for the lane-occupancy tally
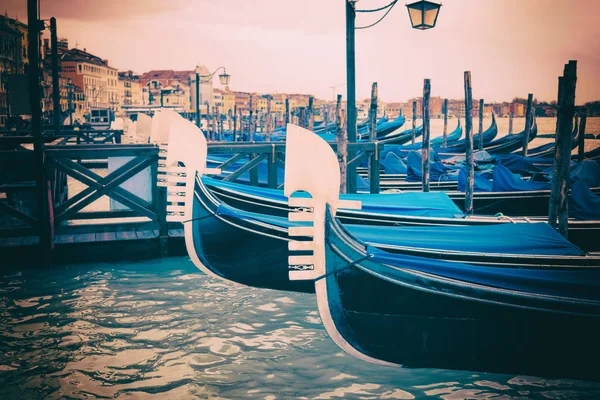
(520, 165)
(417, 204)
(506, 238)
(583, 203)
(506, 181)
(393, 164)
(587, 171)
(529, 239)
(581, 284)
(437, 170)
(480, 183)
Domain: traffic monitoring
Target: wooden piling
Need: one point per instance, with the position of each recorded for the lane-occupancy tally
(469, 145)
(310, 115)
(43, 220)
(325, 118)
(269, 119)
(414, 121)
(287, 112)
(425, 147)
(251, 127)
(374, 163)
(582, 124)
(235, 122)
(57, 110)
(342, 142)
(445, 133)
(480, 137)
(558, 102)
(558, 207)
(528, 123)
(510, 123)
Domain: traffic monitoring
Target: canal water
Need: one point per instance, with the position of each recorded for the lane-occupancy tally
(161, 329)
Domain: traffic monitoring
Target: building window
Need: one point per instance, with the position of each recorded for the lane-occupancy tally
(79, 67)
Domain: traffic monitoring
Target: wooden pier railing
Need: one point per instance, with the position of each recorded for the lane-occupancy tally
(252, 154)
(124, 163)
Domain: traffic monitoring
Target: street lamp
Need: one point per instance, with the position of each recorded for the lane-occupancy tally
(223, 78)
(423, 15)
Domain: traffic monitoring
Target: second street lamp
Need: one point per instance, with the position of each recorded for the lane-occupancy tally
(423, 15)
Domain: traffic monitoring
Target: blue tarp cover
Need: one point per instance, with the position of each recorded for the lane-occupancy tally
(506, 181)
(583, 203)
(532, 238)
(393, 164)
(587, 171)
(575, 283)
(481, 184)
(506, 238)
(432, 204)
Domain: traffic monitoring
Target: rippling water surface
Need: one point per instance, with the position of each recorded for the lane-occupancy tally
(161, 329)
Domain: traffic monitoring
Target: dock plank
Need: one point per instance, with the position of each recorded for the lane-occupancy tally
(145, 234)
(85, 238)
(13, 241)
(65, 238)
(126, 235)
(106, 237)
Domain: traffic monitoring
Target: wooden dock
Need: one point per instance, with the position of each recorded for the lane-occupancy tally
(70, 248)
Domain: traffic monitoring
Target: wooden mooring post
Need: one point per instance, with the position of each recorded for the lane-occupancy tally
(269, 119)
(469, 145)
(310, 115)
(445, 133)
(43, 218)
(510, 123)
(286, 118)
(341, 141)
(425, 147)
(582, 124)
(374, 162)
(56, 108)
(480, 137)
(558, 207)
(528, 123)
(235, 122)
(414, 121)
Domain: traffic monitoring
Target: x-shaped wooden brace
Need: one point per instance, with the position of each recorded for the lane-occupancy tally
(99, 186)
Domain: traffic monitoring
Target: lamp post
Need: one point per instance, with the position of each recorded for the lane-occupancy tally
(223, 78)
(423, 15)
(70, 87)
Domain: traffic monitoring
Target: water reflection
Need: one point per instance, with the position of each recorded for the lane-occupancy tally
(163, 330)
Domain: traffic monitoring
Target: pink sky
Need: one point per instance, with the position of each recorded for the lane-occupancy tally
(512, 47)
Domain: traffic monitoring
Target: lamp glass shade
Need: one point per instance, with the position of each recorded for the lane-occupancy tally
(224, 78)
(423, 14)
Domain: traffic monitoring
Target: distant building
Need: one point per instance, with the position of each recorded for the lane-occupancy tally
(98, 81)
(517, 109)
(13, 57)
(176, 88)
(130, 89)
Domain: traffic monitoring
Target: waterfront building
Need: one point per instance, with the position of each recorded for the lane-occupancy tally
(130, 89)
(517, 109)
(13, 58)
(98, 80)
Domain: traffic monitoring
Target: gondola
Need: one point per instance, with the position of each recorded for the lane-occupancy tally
(401, 309)
(460, 147)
